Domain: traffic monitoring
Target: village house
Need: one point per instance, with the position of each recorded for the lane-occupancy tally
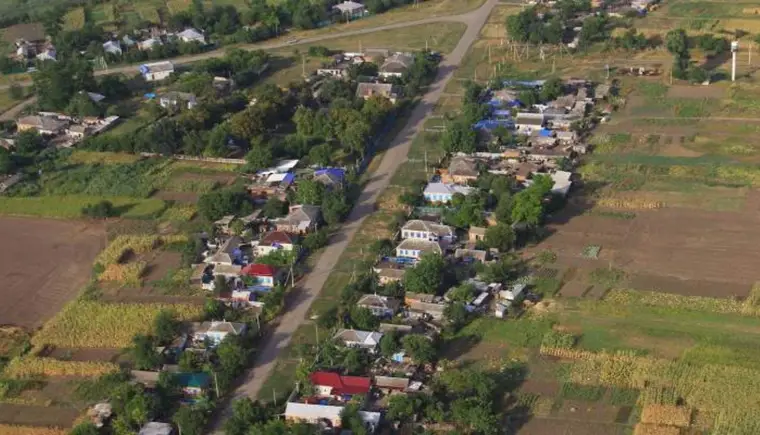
(369, 90)
(339, 66)
(476, 234)
(263, 274)
(388, 272)
(380, 306)
(28, 39)
(223, 224)
(193, 384)
(527, 123)
(271, 185)
(191, 35)
(331, 178)
(153, 72)
(229, 253)
(444, 192)
(351, 9)
(112, 47)
(216, 331)
(275, 241)
(47, 53)
(562, 182)
(156, 428)
(77, 131)
(566, 137)
(396, 65)
(424, 230)
(391, 385)
(328, 384)
(471, 255)
(512, 293)
(177, 100)
(296, 412)
(222, 84)
(416, 248)
(46, 125)
(424, 305)
(149, 44)
(462, 170)
(300, 219)
(360, 339)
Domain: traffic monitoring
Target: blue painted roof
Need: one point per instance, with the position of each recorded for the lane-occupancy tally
(545, 132)
(525, 83)
(289, 177)
(490, 124)
(502, 112)
(337, 172)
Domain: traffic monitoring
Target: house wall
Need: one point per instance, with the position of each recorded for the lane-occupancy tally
(438, 197)
(421, 235)
(323, 390)
(156, 76)
(409, 253)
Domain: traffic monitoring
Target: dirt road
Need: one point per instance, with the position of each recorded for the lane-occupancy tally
(395, 155)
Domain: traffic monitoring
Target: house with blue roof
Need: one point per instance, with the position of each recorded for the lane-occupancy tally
(332, 178)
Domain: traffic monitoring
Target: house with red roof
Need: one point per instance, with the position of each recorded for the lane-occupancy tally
(330, 384)
(264, 275)
(275, 241)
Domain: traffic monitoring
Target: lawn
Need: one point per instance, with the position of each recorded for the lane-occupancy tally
(70, 206)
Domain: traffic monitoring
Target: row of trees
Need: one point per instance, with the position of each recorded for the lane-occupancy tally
(678, 44)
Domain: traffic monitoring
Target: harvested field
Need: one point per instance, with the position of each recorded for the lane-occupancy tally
(690, 250)
(77, 354)
(37, 415)
(49, 262)
(541, 387)
(160, 265)
(574, 289)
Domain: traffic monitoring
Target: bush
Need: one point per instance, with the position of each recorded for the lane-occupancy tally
(99, 210)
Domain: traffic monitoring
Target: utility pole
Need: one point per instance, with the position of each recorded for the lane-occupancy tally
(274, 396)
(749, 57)
(316, 332)
(216, 384)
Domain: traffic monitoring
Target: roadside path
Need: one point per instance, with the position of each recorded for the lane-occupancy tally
(395, 155)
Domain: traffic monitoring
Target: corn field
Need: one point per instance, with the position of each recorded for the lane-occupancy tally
(29, 430)
(28, 366)
(728, 392)
(749, 307)
(666, 415)
(630, 204)
(652, 429)
(180, 213)
(92, 324)
(128, 274)
(124, 244)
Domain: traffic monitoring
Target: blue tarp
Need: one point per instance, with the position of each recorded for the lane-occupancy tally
(150, 95)
(289, 177)
(502, 112)
(337, 172)
(515, 103)
(490, 124)
(545, 132)
(495, 103)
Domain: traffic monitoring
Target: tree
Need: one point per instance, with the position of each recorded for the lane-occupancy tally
(403, 407)
(114, 87)
(697, 75)
(426, 276)
(232, 358)
(259, 157)
(29, 142)
(316, 240)
(190, 420)
(309, 192)
(456, 314)
(459, 137)
(352, 420)
(475, 415)
(220, 285)
(335, 207)
(321, 154)
(464, 293)
(189, 362)
(56, 83)
(527, 208)
(165, 326)
(419, 348)
(274, 208)
(389, 344)
(246, 413)
(144, 353)
(501, 237)
(354, 360)
(222, 202)
(85, 428)
(363, 319)
(213, 309)
(100, 210)
(551, 89)
(83, 106)
(677, 43)
(6, 162)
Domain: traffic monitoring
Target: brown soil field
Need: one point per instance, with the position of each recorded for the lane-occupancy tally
(160, 265)
(37, 415)
(76, 354)
(43, 265)
(574, 289)
(222, 179)
(541, 387)
(686, 251)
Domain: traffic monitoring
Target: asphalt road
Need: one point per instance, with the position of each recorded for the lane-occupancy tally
(395, 155)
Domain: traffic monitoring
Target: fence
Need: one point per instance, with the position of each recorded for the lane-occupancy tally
(200, 159)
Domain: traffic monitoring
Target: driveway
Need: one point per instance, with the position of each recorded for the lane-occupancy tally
(395, 155)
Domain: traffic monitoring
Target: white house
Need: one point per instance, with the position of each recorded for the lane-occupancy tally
(380, 306)
(527, 123)
(416, 248)
(156, 428)
(47, 53)
(275, 241)
(562, 182)
(512, 293)
(153, 72)
(149, 44)
(396, 65)
(444, 192)
(113, 47)
(180, 100)
(424, 230)
(216, 332)
(362, 339)
(351, 9)
(191, 35)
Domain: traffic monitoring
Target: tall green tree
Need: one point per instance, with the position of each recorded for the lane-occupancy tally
(426, 276)
(419, 348)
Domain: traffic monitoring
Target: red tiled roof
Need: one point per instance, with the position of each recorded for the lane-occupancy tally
(258, 270)
(341, 384)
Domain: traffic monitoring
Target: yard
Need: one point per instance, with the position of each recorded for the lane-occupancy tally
(47, 262)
